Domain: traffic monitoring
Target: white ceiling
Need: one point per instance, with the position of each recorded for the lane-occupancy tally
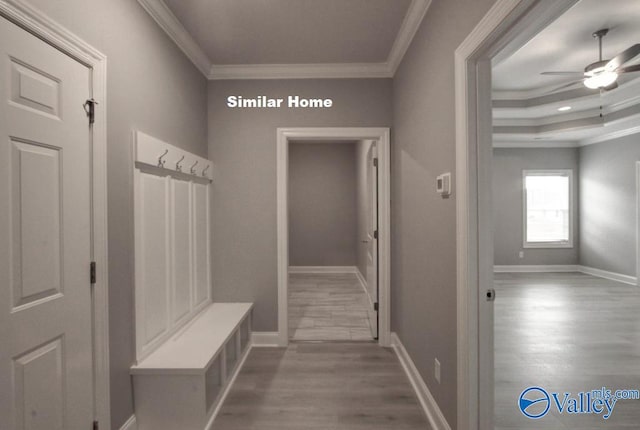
(526, 103)
(292, 31)
(567, 44)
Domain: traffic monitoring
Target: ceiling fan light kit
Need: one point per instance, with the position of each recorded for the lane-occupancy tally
(603, 74)
(600, 79)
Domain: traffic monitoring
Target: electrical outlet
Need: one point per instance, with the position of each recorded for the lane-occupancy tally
(521, 254)
(437, 370)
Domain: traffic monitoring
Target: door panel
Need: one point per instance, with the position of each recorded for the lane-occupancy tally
(46, 360)
(372, 241)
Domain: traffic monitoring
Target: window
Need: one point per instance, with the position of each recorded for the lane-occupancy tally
(548, 208)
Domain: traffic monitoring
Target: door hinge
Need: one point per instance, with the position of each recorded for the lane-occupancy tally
(92, 272)
(375, 234)
(375, 162)
(375, 306)
(96, 425)
(90, 108)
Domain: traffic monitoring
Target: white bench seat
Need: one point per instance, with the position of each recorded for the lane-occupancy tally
(193, 348)
(181, 383)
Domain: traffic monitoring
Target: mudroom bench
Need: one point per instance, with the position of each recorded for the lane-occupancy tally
(179, 385)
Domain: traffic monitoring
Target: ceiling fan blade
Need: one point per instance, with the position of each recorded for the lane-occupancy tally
(562, 73)
(562, 87)
(623, 57)
(629, 69)
(611, 87)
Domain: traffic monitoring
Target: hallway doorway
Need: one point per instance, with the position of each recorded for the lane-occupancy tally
(333, 235)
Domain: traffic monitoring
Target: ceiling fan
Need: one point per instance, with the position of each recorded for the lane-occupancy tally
(603, 74)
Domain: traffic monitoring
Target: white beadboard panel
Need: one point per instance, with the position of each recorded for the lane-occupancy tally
(202, 286)
(173, 275)
(181, 249)
(153, 259)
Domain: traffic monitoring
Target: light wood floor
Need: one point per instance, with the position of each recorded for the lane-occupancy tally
(327, 306)
(321, 386)
(566, 333)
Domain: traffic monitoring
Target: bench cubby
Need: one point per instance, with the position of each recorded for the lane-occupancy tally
(180, 384)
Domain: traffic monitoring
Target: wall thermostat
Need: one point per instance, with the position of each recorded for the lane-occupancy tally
(443, 184)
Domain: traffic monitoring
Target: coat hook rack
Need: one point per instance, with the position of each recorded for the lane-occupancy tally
(178, 166)
(160, 159)
(204, 172)
(193, 168)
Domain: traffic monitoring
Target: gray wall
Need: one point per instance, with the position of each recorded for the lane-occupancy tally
(322, 204)
(423, 295)
(242, 144)
(152, 87)
(508, 164)
(362, 147)
(608, 205)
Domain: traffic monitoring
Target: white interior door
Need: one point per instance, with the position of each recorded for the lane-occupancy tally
(46, 360)
(372, 238)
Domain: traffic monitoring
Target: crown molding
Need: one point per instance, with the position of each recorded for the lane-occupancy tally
(534, 144)
(412, 20)
(299, 71)
(161, 14)
(610, 136)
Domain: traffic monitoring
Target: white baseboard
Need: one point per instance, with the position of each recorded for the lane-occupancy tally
(227, 388)
(430, 407)
(268, 339)
(323, 269)
(625, 279)
(131, 424)
(548, 268)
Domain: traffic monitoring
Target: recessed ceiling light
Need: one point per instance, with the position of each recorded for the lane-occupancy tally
(564, 108)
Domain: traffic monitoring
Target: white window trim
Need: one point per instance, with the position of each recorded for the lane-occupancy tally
(548, 172)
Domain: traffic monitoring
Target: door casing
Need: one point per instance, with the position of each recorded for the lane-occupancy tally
(382, 136)
(32, 20)
(508, 26)
(638, 223)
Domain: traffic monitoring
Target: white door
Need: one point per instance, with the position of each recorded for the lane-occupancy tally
(46, 360)
(372, 238)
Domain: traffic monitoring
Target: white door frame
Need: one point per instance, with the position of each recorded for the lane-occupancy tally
(638, 223)
(382, 136)
(508, 25)
(35, 22)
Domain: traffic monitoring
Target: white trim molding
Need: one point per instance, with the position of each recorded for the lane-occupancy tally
(638, 223)
(507, 26)
(412, 20)
(427, 402)
(130, 424)
(382, 136)
(323, 269)
(163, 16)
(553, 268)
(618, 277)
(37, 23)
(265, 339)
(568, 268)
(299, 71)
(166, 19)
